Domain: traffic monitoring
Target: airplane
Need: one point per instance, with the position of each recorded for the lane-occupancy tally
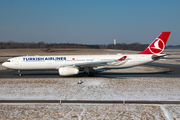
(68, 65)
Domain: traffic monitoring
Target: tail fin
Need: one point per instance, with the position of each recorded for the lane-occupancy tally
(157, 46)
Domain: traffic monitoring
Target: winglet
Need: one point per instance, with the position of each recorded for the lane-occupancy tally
(122, 58)
(157, 46)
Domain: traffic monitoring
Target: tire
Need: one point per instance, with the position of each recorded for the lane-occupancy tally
(85, 74)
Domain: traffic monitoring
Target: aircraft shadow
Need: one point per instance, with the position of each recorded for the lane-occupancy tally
(55, 74)
(152, 74)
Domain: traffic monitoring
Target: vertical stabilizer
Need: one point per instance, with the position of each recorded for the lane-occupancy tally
(157, 46)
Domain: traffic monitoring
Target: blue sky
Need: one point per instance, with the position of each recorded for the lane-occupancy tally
(89, 21)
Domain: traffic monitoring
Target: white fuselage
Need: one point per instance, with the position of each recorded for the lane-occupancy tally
(55, 62)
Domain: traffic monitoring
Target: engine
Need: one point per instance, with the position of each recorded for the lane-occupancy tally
(67, 71)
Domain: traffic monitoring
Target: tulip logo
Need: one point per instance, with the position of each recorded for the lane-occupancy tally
(157, 46)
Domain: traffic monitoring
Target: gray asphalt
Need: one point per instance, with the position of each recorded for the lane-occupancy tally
(92, 101)
(174, 71)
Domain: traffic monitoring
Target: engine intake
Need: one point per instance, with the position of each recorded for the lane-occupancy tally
(67, 71)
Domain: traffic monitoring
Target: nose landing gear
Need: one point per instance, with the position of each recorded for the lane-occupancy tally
(19, 72)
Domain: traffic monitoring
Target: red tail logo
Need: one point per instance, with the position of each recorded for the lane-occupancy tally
(157, 46)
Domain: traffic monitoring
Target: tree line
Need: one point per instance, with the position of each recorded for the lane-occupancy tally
(172, 47)
(41, 45)
(13, 45)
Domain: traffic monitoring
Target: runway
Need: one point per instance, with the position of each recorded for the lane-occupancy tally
(91, 101)
(174, 71)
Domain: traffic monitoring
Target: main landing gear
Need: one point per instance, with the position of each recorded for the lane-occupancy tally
(90, 74)
(19, 72)
(87, 72)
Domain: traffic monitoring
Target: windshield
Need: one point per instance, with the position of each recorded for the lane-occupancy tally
(8, 61)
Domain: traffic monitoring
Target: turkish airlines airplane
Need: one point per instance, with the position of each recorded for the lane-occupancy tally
(68, 65)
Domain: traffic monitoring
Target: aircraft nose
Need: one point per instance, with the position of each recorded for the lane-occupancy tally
(3, 64)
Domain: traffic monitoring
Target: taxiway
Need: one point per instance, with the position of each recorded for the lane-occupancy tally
(172, 71)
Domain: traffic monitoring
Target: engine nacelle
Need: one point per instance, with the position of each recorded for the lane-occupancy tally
(67, 71)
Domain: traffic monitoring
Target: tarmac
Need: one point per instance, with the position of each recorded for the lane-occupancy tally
(173, 71)
(92, 101)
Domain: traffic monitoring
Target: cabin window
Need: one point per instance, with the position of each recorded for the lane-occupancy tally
(8, 61)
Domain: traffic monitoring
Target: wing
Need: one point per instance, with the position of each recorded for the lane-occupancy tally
(90, 64)
(95, 63)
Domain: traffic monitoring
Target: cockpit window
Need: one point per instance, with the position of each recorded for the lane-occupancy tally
(8, 61)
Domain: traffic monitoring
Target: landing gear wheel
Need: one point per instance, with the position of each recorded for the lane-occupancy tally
(85, 74)
(88, 75)
(91, 74)
(19, 73)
